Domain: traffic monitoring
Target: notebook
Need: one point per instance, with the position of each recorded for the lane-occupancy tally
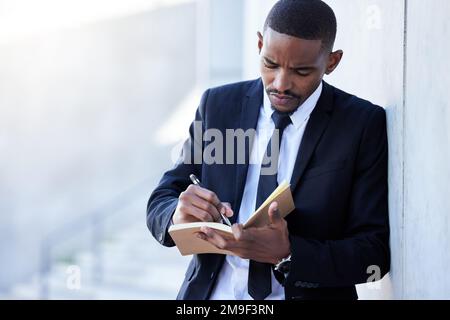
(185, 235)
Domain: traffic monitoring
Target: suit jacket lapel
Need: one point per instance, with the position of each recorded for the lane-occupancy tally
(250, 108)
(317, 124)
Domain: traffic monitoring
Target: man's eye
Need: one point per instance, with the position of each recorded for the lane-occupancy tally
(303, 74)
(270, 66)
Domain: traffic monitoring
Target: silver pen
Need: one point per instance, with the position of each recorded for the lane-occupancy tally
(197, 182)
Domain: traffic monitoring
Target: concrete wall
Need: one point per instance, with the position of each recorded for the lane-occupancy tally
(427, 151)
(395, 56)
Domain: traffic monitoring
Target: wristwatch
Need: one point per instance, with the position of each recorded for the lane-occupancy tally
(284, 266)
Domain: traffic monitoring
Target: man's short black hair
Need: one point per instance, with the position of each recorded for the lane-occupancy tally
(304, 19)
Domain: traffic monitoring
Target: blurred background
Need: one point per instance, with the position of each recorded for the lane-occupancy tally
(96, 97)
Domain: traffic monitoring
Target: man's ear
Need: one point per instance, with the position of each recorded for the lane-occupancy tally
(333, 61)
(260, 41)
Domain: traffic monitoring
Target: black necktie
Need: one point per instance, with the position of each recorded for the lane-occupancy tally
(259, 274)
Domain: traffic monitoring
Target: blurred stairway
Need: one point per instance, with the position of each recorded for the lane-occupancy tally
(133, 266)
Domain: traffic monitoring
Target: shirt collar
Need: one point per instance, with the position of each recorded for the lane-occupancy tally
(303, 112)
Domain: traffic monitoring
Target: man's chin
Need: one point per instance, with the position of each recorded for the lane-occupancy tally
(291, 107)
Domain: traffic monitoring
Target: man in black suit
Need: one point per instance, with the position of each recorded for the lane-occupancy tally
(330, 145)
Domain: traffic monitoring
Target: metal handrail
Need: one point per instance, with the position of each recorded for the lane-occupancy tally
(95, 220)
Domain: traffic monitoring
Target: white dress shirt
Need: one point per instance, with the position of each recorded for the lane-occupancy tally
(232, 279)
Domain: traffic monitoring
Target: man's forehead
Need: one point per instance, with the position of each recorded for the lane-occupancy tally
(278, 46)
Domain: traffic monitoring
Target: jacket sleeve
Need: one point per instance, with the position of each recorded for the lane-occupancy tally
(164, 199)
(365, 246)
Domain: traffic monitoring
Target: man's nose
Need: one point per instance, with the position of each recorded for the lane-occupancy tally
(282, 82)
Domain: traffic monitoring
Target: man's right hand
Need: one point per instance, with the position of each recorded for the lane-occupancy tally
(199, 204)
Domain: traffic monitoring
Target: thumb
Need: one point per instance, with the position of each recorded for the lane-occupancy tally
(274, 214)
(226, 207)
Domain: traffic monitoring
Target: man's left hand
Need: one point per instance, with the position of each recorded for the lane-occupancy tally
(268, 244)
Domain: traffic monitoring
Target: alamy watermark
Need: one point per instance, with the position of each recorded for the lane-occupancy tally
(373, 282)
(235, 146)
(374, 17)
(73, 280)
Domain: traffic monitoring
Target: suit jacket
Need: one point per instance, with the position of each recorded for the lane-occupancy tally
(339, 231)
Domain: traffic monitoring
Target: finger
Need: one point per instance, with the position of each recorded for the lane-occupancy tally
(199, 214)
(228, 211)
(207, 195)
(201, 235)
(214, 238)
(238, 231)
(274, 215)
(206, 206)
(211, 197)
